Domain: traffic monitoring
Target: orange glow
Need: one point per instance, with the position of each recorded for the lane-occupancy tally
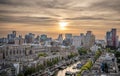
(63, 25)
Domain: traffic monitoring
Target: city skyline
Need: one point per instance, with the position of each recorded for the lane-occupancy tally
(63, 34)
(53, 17)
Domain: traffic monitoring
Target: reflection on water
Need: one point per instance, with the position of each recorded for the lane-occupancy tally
(69, 68)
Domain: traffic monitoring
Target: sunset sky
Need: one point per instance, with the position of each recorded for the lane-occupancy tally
(53, 17)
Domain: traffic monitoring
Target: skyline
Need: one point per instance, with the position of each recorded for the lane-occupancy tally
(44, 17)
(63, 35)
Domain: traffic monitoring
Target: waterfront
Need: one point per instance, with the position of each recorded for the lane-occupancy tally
(69, 68)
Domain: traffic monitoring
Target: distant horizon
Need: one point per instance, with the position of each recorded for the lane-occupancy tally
(53, 17)
(54, 36)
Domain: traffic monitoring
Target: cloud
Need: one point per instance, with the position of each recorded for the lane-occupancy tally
(107, 5)
(86, 18)
(50, 12)
(28, 20)
(89, 18)
(61, 9)
(14, 3)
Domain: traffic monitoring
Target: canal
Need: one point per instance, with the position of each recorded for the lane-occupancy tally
(69, 68)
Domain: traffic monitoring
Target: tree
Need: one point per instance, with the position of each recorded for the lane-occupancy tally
(29, 71)
(49, 63)
(97, 54)
(20, 74)
(82, 51)
(88, 65)
(72, 55)
(40, 67)
(55, 60)
(42, 55)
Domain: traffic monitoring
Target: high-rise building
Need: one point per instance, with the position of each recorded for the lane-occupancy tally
(60, 38)
(68, 36)
(112, 38)
(43, 37)
(113, 31)
(29, 38)
(77, 41)
(68, 39)
(117, 41)
(11, 37)
(108, 38)
(37, 40)
(13, 34)
(82, 39)
(86, 41)
(19, 40)
(89, 40)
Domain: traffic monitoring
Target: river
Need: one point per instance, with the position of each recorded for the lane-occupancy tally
(69, 68)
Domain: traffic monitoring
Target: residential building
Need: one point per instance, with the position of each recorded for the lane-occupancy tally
(77, 42)
(112, 38)
(89, 40)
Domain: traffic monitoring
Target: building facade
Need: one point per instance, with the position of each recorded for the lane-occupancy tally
(112, 38)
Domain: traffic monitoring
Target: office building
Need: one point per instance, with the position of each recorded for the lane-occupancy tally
(29, 38)
(60, 38)
(112, 38)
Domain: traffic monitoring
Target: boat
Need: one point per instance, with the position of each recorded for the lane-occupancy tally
(74, 67)
(63, 67)
(68, 73)
(79, 66)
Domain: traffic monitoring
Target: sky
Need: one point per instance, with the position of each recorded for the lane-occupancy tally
(45, 16)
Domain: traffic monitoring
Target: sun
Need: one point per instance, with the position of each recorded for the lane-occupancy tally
(63, 25)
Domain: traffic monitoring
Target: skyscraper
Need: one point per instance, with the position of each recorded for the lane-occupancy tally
(68, 36)
(113, 31)
(13, 34)
(60, 38)
(29, 38)
(89, 40)
(86, 41)
(108, 38)
(77, 41)
(112, 38)
(11, 37)
(68, 39)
